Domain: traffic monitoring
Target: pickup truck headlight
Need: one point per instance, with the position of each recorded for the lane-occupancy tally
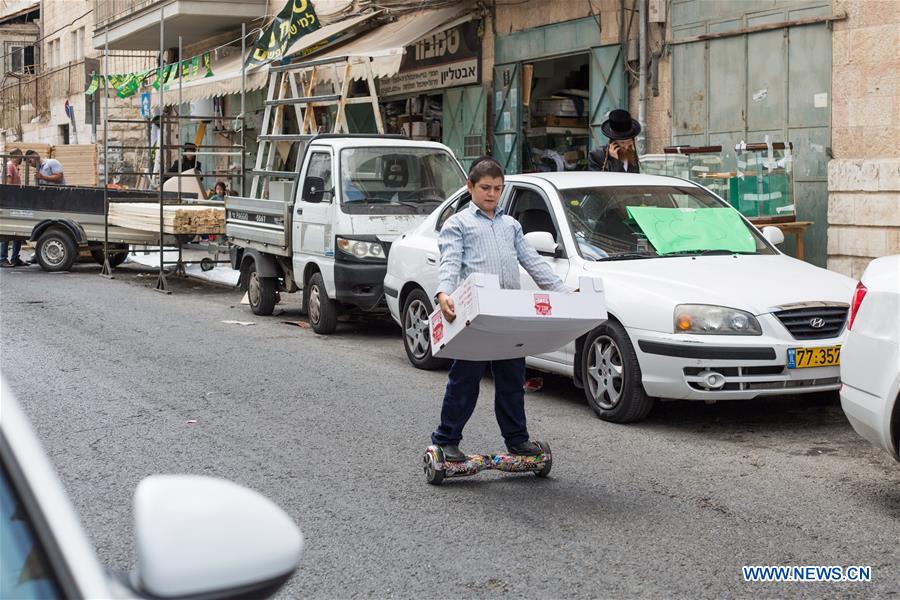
(361, 249)
(714, 320)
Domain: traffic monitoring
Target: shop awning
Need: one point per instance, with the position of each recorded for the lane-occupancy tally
(227, 71)
(385, 45)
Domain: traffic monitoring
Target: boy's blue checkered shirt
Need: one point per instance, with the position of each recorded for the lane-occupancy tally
(471, 242)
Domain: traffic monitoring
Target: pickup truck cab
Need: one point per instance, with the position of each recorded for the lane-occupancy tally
(328, 232)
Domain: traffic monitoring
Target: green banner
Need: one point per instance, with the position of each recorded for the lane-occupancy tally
(296, 19)
(686, 229)
(207, 64)
(96, 82)
(127, 84)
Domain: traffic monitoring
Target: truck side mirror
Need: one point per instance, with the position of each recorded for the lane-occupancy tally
(313, 189)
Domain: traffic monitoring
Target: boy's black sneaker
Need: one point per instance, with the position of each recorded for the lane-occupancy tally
(528, 448)
(17, 263)
(452, 453)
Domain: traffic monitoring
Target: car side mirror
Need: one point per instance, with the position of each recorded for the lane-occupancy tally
(210, 537)
(543, 242)
(313, 189)
(773, 235)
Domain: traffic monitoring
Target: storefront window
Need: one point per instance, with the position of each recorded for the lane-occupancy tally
(397, 180)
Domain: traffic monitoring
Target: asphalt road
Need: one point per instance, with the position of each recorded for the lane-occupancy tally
(332, 429)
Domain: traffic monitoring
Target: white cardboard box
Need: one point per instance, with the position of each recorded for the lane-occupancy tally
(493, 324)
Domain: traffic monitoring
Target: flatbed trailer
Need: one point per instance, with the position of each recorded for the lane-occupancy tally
(62, 221)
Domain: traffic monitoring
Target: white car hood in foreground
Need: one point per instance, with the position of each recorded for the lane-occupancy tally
(643, 293)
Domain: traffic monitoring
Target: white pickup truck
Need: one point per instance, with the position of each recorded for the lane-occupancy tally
(327, 230)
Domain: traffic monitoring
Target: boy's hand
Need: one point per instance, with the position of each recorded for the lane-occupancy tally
(447, 307)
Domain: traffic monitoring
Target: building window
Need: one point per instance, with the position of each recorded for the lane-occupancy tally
(19, 58)
(77, 37)
(473, 146)
(53, 49)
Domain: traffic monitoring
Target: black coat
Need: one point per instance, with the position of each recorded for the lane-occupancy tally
(186, 165)
(599, 160)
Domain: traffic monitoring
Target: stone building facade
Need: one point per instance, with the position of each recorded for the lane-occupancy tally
(67, 60)
(864, 173)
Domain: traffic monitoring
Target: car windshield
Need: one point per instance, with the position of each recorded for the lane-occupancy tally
(394, 180)
(633, 222)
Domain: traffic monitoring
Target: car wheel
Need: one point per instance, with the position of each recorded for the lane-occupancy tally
(261, 291)
(321, 309)
(416, 334)
(612, 376)
(56, 250)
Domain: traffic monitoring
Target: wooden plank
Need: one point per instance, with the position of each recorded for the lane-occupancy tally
(177, 219)
(757, 28)
(79, 163)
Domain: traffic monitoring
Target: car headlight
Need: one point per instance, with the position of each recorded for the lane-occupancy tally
(714, 320)
(360, 249)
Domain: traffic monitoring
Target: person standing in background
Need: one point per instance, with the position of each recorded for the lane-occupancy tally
(47, 172)
(620, 155)
(12, 178)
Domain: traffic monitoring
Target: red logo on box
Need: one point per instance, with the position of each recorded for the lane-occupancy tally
(542, 304)
(437, 327)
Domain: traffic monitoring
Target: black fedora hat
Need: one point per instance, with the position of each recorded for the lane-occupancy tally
(620, 126)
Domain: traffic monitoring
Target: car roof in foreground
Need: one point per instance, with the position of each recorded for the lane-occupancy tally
(584, 179)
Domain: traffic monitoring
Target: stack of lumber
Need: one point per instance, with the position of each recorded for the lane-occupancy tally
(79, 163)
(43, 149)
(177, 219)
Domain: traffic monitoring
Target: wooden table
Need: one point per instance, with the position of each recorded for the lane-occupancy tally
(796, 228)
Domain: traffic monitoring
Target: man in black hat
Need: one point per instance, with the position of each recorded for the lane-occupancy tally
(620, 156)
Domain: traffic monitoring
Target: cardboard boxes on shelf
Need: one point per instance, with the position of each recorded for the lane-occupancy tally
(493, 324)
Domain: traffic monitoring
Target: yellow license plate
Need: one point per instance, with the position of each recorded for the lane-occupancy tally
(803, 358)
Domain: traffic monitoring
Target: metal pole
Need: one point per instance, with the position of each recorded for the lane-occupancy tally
(161, 280)
(243, 106)
(94, 113)
(642, 77)
(105, 270)
(179, 267)
(180, 131)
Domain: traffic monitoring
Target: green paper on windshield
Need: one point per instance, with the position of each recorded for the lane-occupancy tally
(673, 230)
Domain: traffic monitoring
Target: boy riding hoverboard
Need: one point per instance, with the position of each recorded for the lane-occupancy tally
(482, 238)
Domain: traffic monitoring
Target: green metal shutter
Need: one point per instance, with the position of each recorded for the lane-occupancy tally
(464, 122)
(508, 116)
(608, 89)
(774, 83)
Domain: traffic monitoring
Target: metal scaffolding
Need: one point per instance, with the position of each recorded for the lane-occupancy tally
(166, 122)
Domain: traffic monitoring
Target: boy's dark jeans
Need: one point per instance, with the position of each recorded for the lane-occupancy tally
(462, 395)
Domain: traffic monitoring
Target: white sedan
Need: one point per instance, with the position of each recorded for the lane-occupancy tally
(870, 362)
(702, 306)
(195, 537)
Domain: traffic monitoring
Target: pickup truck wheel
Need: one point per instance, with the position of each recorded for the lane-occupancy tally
(322, 310)
(56, 250)
(261, 291)
(612, 376)
(416, 333)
